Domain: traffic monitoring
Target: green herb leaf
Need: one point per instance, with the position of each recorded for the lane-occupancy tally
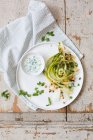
(78, 84)
(46, 37)
(29, 95)
(42, 91)
(69, 86)
(43, 38)
(35, 94)
(36, 88)
(64, 102)
(70, 97)
(5, 94)
(49, 101)
(37, 91)
(24, 93)
(41, 83)
(79, 78)
(50, 33)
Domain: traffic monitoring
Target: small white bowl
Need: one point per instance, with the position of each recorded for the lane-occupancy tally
(26, 63)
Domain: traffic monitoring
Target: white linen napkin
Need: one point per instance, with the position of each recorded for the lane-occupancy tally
(21, 34)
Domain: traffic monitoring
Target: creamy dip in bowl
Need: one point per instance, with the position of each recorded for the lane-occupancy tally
(33, 64)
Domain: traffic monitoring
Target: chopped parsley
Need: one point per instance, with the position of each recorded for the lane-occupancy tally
(79, 78)
(43, 38)
(36, 88)
(69, 86)
(78, 84)
(41, 83)
(46, 37)
(38, 92)
(49, 101)
(5, 94)
(64, 102)
(41, 91)
(70, 97)
(50, 33)
(24, 93)
(35, 94)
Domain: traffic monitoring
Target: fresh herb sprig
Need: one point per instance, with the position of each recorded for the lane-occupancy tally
(5, 94)
(78, 84)
(49, 101)
(47, 36)
(79, 78)
(70, 97)
(38, 92)
(24, 93)
(50, 33)
(41, 83)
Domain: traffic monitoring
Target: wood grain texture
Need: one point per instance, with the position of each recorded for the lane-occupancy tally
(32, 118)
(30, 126)
(79, 24)
(11, 10)
(66, 131)
(45, 118)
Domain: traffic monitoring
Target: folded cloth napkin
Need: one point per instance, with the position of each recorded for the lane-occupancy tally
(21, 34)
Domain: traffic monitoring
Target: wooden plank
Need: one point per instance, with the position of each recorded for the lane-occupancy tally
(58, 10)
(45, 118)
(80, 117)
(79, 24)
(10, 10)
(67, 131)
(32, 118)
(45, 126)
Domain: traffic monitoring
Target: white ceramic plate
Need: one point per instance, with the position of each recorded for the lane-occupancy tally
(28, 83)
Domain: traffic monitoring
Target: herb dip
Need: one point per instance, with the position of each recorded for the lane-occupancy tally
(33, 64)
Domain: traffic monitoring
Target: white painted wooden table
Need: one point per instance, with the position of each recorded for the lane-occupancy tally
(75, 17)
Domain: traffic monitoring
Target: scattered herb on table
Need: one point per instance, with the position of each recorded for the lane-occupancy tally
(50, 33)
(49, 101)
(46, 37)
(24, 93)
(41, 83)
(5, 94)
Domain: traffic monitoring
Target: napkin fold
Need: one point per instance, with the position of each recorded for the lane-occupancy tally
(20, 35)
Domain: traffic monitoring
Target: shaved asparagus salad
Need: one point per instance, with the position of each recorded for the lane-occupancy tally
(61, 69)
